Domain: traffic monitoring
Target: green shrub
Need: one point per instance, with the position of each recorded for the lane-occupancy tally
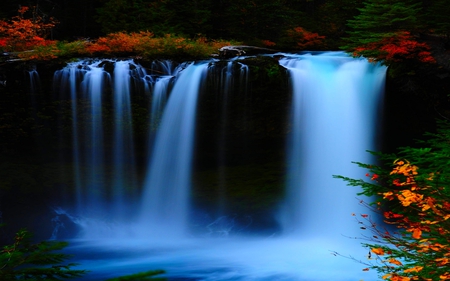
(412, 189)
(24, 260)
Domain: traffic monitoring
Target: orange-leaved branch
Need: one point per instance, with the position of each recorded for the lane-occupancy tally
(410, 237)
(25, 31)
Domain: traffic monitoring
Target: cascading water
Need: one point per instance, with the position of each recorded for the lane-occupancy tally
(92, 88)
(34, 80)
(334, 121)
(66, 79)
(160, 91)
(336, 101)
(123, 148)
(165, 201)
(101, 179)
(230, 76)
(225, 90)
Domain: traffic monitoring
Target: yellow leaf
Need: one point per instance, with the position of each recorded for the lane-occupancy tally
(430, 222)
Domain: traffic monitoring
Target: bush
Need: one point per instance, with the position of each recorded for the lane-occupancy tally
(25, 31)
(140, 44)
(413, 191)
(26, 261)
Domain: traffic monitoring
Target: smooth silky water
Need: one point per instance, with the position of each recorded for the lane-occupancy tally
(334, 119)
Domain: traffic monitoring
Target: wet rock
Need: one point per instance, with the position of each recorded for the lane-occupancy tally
(236, 51)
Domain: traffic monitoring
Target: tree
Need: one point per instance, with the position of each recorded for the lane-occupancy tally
(384, 22)
(158, 16)
(299, 38)
(76, 18)
(258, 19)
(24, 31)
(437, 17)
(191, 18)
(131, 15)
(330, 20)
(413, 191)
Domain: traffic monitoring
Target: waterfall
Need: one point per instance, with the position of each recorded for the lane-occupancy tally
(224, 90)
(160, 91)
(65, 80)
(92, 88)
(334, 120)
(165, 200)
(104, 167)
(35, 81)
(137, 189)
(123, 147)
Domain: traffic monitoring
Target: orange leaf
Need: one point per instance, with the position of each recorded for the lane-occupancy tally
(413, 269)
(417, 233)
(378, 251)
(394, 261)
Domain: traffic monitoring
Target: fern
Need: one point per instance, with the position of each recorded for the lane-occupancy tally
(24, 260)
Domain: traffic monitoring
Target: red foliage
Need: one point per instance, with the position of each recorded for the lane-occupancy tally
(399, 47)
(268, 43)
(20, 33)
(119, 42)
(304, 38)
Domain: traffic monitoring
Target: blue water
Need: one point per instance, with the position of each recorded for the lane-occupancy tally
(334, 119)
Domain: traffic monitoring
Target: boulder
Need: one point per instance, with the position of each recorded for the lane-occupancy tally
(236, 51)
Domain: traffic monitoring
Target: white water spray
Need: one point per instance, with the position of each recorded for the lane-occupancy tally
(165, 201)
(335, 106)
(334, 121)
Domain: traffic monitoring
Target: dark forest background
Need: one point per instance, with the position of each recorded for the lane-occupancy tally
(247, 21)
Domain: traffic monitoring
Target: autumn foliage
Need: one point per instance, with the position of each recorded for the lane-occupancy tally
(25, 31)
(140, 44)
(145, 45)
(300, 38)
(398, 47)
(25, 36)
(413, 241)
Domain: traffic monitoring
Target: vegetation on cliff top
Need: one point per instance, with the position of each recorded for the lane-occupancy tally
(377, 30)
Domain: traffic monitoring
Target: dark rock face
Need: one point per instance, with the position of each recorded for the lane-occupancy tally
(250, 117)
(417, 94)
